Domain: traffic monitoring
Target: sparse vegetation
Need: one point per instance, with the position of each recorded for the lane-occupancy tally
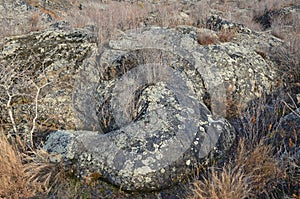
(12, 174)
(251, 173)
(264, 164)
(24, 175)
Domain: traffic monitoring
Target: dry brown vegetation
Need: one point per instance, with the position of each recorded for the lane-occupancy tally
(262, 164)
(247, 175)
(12, 175)
(26, 173)
(258, 168)
(21, 175)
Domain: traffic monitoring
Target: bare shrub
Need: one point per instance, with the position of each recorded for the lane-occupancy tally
(273, 4)
(226, 35)
(169, 15)
(109, 18)
(17, 84)
(112, 18)
(206, 38)
(200, 13)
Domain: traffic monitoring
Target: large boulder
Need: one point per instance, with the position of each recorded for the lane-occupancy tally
(154, 125)
(52, 58)
(155, 88)
(142, 111)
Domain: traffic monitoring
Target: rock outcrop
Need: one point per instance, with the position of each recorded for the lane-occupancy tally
(147, 107)
(52, 58)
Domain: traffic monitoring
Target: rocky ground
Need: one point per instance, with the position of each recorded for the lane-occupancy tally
(91, 110)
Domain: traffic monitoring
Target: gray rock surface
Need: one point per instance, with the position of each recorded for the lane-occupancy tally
(144, 110)
(154, 123)
(52, 56)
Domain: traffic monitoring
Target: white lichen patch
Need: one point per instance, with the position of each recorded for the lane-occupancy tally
(188, 162)
(201, 129)
(148, 179)
(144, 170)
(148, 161)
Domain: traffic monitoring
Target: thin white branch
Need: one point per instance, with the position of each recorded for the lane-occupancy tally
(10, 111)
(291, 108)
(36, 110)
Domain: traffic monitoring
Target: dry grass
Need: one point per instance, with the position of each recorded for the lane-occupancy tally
(224, 184)
(226, 35)
(264, 164)
(259, 165)
(110, 18)
(24, 175)
(249, 174)
(12, 175)
(41, 172)
(207, 38)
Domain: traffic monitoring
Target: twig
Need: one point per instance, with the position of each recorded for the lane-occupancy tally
(288, 106)
(36, 110)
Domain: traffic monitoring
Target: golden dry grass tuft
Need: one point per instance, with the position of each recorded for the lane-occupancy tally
(210, 37)
(12, 175)
(25, 175)
(223, 184)
(226, 36)
(259, 164)
(41, 172)
(251, 172)
(207, 39)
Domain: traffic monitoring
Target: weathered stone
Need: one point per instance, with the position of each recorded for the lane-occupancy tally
(52, 56)
(145, 109)
(154, 124)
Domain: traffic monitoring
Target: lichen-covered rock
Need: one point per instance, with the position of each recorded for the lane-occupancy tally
(154, 126)
(142, 111)
(18, 17)
(53, 58)
(151, 103)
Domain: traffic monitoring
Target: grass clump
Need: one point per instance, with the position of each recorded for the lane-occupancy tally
(25, 174)
(250, 173)
(12, 174)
